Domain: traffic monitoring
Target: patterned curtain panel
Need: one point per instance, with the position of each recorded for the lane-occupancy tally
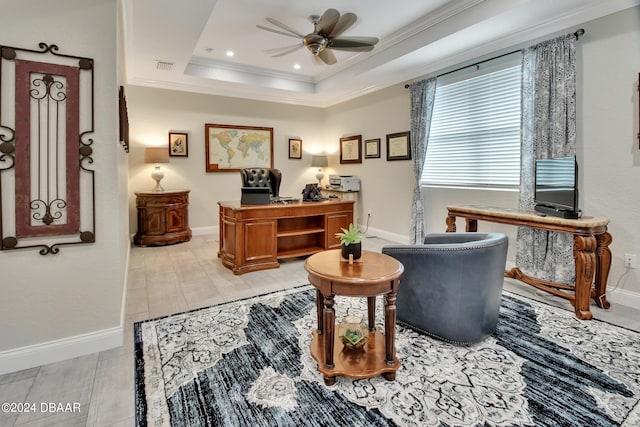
(423, 93)
(548, 130)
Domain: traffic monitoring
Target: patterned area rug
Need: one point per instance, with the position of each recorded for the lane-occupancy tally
(247, 363)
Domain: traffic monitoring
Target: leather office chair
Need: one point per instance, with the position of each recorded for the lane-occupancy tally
(452, 284)
(262, 177)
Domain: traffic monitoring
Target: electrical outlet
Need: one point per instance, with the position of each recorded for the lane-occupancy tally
(630, 261)
(369, 212)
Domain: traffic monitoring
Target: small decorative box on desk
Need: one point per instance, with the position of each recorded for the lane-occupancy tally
(163, 217)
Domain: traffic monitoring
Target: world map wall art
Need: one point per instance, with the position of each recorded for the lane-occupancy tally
(232, 148)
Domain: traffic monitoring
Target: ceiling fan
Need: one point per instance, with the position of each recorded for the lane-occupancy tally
(325, 36)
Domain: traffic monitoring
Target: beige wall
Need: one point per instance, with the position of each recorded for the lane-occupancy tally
(154, 112)
(608, 151)
(59, 306)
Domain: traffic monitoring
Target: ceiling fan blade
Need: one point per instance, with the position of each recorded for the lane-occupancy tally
(281, 48)
(343, 24)
(276, 31)
(327, 22)
(282, 51)
(327, 57)
(357, 44)
(284, 27)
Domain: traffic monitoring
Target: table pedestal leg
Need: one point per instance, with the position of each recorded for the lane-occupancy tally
(451, 224)
(603, 264)
(471, 225)
(371, 311)
(329, 330)
(319, 312)
(584, 249)
(390, 332)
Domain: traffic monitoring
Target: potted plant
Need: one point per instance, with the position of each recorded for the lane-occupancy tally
(350, 241)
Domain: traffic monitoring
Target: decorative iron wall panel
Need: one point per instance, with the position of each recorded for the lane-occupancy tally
(47, 188)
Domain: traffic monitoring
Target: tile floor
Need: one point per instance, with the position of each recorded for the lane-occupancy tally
(161, 281)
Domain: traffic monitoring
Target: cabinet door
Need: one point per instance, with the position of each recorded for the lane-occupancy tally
(176, 220)
(260, 241)
(153, 220)
(335, 222)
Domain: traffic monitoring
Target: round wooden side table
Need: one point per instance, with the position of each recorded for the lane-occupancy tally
(372, 275)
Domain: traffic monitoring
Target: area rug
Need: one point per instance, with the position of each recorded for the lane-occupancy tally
(247, 363)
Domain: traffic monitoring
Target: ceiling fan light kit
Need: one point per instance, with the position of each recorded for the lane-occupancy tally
(325, 36)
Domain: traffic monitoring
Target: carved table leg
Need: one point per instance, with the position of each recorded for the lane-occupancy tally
(390, 327)
(451, 223)
(471, 224)
(329, 327)
(371, 311)
(603, 264)
(584, 248)
(319, 312)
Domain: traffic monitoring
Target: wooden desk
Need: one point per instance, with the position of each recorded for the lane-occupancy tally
(375, 274)
(590, 250)
(255, 237)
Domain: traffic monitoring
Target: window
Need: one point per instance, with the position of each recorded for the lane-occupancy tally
(474, 141)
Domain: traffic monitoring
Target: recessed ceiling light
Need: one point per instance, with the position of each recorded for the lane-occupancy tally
(296, 66)
(230, 53)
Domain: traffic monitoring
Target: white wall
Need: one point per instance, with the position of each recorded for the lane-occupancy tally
(385, 185)
(154, 112)
(58, 306)
(608, 155)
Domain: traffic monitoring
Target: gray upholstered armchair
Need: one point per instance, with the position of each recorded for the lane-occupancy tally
(452, 284)
(262, 177)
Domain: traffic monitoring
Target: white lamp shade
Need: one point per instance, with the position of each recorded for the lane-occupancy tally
(319, 161)
(156, 155)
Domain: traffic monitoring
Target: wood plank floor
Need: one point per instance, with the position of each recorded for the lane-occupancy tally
(161, 281)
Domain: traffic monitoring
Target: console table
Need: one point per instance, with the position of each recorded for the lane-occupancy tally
(255, 237)
(163, 217)
(374, 274)
(590, 250)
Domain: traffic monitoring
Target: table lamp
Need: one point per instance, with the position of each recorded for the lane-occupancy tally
(156, 155)
(319, 161)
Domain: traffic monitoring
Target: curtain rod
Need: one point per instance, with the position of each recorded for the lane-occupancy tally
(578, 33)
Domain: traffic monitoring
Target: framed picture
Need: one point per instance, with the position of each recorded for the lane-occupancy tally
(123, 119)
(351, 149)
(399, 146)
(372, 148)
(295, 148)
(178, 144)
(230, 148)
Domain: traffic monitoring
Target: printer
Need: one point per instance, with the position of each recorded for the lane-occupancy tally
(344, 183)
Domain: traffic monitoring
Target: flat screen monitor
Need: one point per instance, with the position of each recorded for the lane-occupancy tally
(255, 196)
(556, 185)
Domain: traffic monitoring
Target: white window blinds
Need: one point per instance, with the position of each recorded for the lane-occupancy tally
(474, 139)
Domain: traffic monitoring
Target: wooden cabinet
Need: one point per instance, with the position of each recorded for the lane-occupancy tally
(163, 218)
(255, 237)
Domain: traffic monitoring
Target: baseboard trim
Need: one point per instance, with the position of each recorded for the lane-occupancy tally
(202, 231)
(394, 237)
(55, 351)
(622, 297)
